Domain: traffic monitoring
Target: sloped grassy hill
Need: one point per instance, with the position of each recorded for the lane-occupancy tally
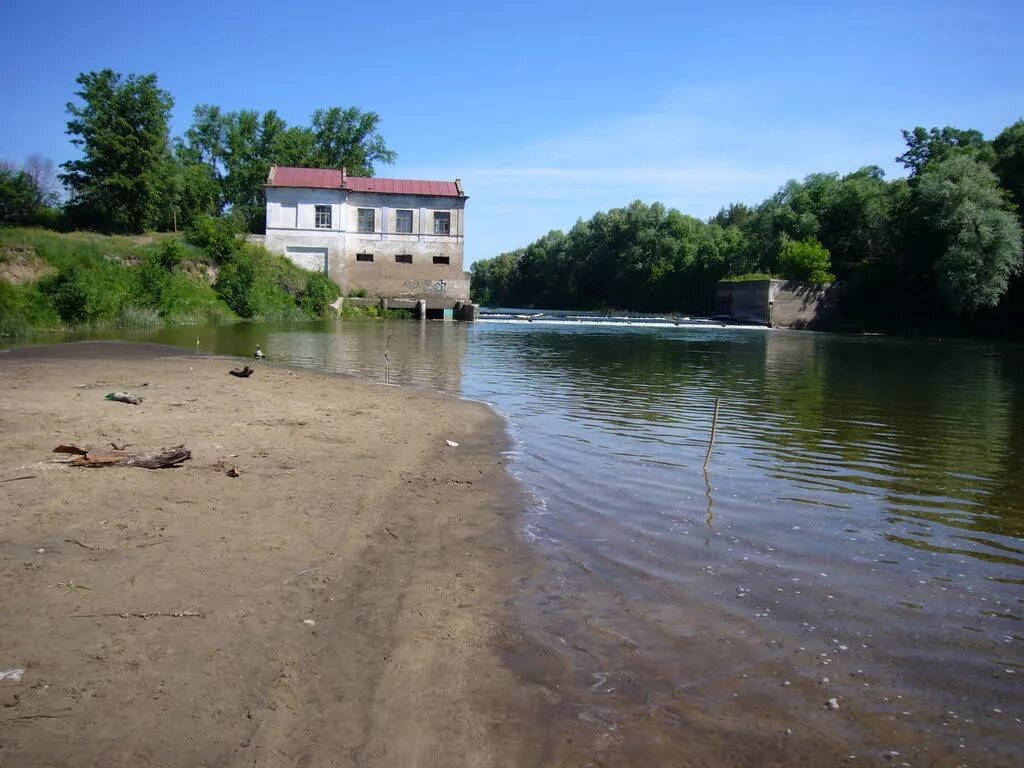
(55, 281)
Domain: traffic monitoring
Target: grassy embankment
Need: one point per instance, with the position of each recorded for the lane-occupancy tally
(51, 281)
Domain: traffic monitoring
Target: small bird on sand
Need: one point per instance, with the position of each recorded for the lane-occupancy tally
(259, 353)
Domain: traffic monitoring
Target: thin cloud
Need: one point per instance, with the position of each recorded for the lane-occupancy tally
(694, 149)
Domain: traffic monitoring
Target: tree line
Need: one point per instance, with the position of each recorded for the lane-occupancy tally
(936, 251)
(132, 176)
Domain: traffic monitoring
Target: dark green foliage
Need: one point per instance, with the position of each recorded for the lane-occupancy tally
(1009, 149)
(978, 239)
(218, 237)
(236, 149)
(348, 138)
(123, 182)
(129, 179)
(17, 196)
(806, 260)
(318, 295)
(642, 258)
(23, 308)
(68, 294)
(258, 284)
(936, 144)
(196, 194)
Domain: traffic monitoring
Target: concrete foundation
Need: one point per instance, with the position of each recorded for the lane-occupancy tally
(776, 303)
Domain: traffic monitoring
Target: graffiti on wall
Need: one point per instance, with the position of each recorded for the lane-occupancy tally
(435, 286)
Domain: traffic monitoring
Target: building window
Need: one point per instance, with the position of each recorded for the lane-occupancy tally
(403, 222)
(366, 219)
(364, 257)
(323, 217)
(442, 260)
(442, 222)
(403, 258)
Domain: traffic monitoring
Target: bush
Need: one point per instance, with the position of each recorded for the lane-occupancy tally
(749, 277)
(23, 308)
(48, 217)
(67, 295)
(217, 236)
(172, 254)
(806, 260)
(253, 283)
(318, 295)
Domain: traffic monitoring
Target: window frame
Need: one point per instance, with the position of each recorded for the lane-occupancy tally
(359, 220)
(366, 258)
(398, 220)
(319, 210)
(403, 258)
(444, 260)
(443, 216)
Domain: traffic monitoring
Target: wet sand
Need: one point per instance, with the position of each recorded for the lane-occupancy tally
(351, 583)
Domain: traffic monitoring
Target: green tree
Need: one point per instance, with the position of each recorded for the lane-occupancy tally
(18, 196)
(348, 137)
(1009, 149)
(806, 260)
(238, 148)
(975, 232)
(121, 182)
(196, 194)
(936, 144)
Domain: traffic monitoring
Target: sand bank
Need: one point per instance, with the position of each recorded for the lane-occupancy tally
(350, 583)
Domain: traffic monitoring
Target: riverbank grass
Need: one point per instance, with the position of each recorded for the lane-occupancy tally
(52, 281)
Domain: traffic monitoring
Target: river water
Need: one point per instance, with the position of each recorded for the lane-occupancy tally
(856, 535)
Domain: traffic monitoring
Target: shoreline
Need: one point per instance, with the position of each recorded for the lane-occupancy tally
(350, 512)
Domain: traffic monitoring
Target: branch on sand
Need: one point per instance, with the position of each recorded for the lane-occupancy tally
(162, 459)
(149, 615)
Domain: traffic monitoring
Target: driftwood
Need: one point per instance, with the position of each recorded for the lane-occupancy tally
(63, 448)
(124, 397)
(147, 615)
(242, 373)
(167, 457)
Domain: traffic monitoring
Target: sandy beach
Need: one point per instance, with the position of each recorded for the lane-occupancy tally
(340, 602)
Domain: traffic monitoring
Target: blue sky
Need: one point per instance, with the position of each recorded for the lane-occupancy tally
(549, 111)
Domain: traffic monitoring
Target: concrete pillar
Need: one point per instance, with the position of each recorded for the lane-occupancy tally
(421, 309)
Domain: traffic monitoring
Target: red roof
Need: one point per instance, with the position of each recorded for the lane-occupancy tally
(312, 178)
(328, 178)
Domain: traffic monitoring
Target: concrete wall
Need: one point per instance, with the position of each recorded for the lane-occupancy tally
(777, 303)
(745, 302)
(291, 224)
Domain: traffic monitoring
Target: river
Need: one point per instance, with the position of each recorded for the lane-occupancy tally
(856, 535)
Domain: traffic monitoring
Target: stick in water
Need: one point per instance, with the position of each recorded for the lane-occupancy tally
(711, 443)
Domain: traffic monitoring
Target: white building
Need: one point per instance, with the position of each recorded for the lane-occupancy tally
(395, 238)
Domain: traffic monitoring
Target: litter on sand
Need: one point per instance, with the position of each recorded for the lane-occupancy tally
(124, 397)
(11, 674)
(452, 444)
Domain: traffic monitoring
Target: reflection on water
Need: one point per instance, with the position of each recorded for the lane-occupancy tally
(862, 507)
